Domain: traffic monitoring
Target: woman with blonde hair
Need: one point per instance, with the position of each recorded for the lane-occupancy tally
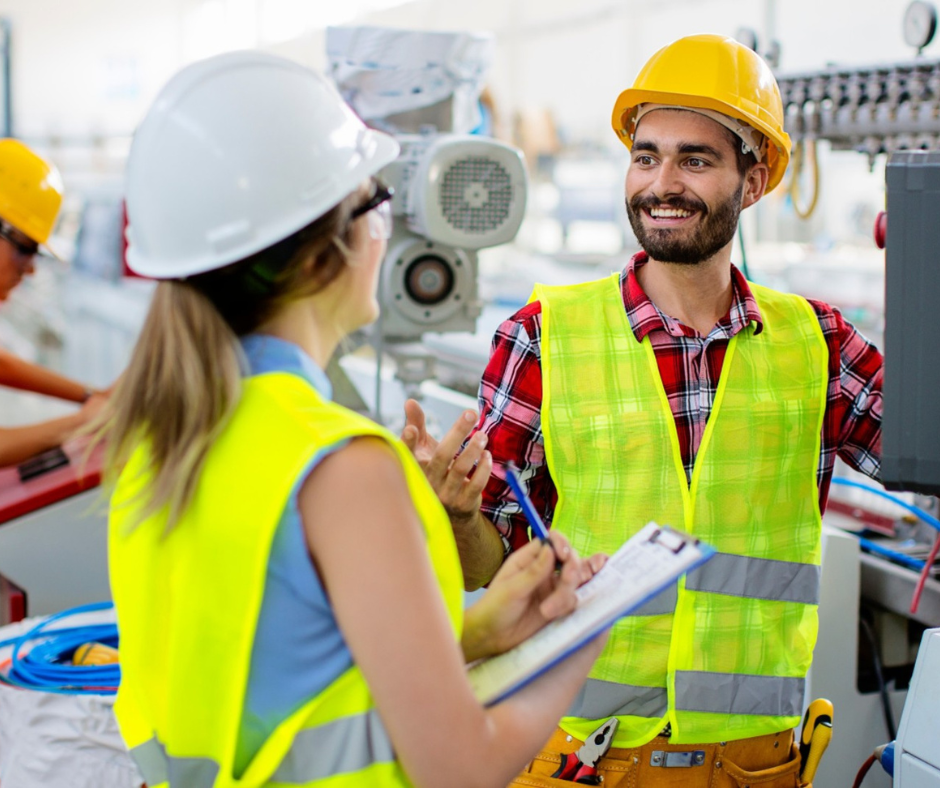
(287, 587)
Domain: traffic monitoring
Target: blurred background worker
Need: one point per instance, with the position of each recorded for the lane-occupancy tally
(678, 391)
(288, 592)
(30, 197)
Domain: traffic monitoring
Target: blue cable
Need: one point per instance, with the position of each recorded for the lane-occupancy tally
(44, 668)
(929, 519)
(902, 558)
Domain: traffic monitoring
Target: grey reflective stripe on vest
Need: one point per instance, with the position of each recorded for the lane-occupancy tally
(757, 578)
(156, 767)
(345, 745)
(339, 747)
(661, 604)
(730, 693)
(599, 698)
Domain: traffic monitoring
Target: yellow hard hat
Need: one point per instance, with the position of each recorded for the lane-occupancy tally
(30, 191)
(712, 73)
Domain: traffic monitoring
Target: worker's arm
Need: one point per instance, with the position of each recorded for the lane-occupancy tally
(20, 443)
(20, 374)
(370, 552)
(459, 476)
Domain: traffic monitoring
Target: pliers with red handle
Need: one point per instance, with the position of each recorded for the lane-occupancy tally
(580, 766)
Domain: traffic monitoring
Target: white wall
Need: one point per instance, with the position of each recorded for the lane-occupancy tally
(85, 71)
(92, 66)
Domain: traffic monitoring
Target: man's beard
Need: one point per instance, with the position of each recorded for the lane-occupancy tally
(715, 228)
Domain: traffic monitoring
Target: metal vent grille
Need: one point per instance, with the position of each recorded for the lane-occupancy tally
(476, 195)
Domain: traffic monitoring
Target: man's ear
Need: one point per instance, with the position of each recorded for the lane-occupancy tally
(755, 184)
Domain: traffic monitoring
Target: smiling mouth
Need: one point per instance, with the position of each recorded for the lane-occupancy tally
(668, 214)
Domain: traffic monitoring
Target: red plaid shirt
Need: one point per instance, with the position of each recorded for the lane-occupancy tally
(689, 365)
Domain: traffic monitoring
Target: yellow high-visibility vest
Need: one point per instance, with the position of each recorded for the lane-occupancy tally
(188, 601)
(723, 655)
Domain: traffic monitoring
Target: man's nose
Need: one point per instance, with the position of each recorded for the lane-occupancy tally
(668, 181)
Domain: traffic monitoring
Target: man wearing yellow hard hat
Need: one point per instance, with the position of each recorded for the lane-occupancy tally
(30, 197)
(679, 392)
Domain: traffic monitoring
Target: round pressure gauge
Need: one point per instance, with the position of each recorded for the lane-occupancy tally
(920, 23)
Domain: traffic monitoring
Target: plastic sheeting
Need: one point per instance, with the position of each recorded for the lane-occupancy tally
(60, 741)
(383, 72)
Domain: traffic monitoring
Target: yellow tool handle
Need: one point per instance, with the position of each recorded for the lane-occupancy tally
(819, 711)
(818, 715)
(817, 746)
(95, 653)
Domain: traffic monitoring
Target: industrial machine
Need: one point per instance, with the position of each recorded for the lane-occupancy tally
(455, 193)
(911, 431)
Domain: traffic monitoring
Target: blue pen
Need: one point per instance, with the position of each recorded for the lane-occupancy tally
(528, 509)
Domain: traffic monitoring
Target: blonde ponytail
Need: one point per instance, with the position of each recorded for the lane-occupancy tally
(177, 394)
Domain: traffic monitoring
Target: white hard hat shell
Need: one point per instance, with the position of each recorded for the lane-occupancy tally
(240, 151)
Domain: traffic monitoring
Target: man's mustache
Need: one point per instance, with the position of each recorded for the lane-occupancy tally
(647, 202)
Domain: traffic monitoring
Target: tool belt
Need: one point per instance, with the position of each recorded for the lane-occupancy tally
(771, 761)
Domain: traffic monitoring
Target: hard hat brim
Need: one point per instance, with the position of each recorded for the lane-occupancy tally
(779, 148)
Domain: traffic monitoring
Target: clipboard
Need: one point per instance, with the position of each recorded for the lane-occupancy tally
(646, 564)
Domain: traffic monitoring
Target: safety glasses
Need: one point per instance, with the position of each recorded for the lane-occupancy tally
(24, 250)
(379, 210)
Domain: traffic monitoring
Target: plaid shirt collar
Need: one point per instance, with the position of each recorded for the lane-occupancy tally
(645, 316)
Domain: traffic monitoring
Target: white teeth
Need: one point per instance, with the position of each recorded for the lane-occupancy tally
(669, 213)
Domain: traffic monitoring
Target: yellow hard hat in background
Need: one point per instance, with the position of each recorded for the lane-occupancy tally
(30, 191)
(714, 73)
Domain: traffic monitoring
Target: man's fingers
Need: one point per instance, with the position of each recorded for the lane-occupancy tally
(414, 415)
(450, 444)
(477, 480)
(409, 436)
(465, 479)
(464, 462)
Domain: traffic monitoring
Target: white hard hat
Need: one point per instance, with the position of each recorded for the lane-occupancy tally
(238, 152)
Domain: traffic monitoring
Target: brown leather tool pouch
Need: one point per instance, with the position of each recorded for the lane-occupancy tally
(761, 762)
(785, 775)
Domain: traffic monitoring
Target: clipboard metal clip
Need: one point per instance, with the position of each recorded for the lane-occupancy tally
(670, 539)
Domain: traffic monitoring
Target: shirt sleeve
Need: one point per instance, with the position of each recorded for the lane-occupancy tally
(510, 401)
(858, 400)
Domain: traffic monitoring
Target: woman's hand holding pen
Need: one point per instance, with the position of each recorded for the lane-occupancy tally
(525, 595)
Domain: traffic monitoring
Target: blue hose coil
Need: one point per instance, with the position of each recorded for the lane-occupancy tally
(43, 668)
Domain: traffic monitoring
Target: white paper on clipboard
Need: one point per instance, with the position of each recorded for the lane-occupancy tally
(647, 563)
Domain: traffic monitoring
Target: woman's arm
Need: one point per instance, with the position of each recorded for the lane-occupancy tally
(369, 548)
(20, 374)
(21, 443)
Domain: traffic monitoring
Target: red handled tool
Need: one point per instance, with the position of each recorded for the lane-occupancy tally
(580, 766)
